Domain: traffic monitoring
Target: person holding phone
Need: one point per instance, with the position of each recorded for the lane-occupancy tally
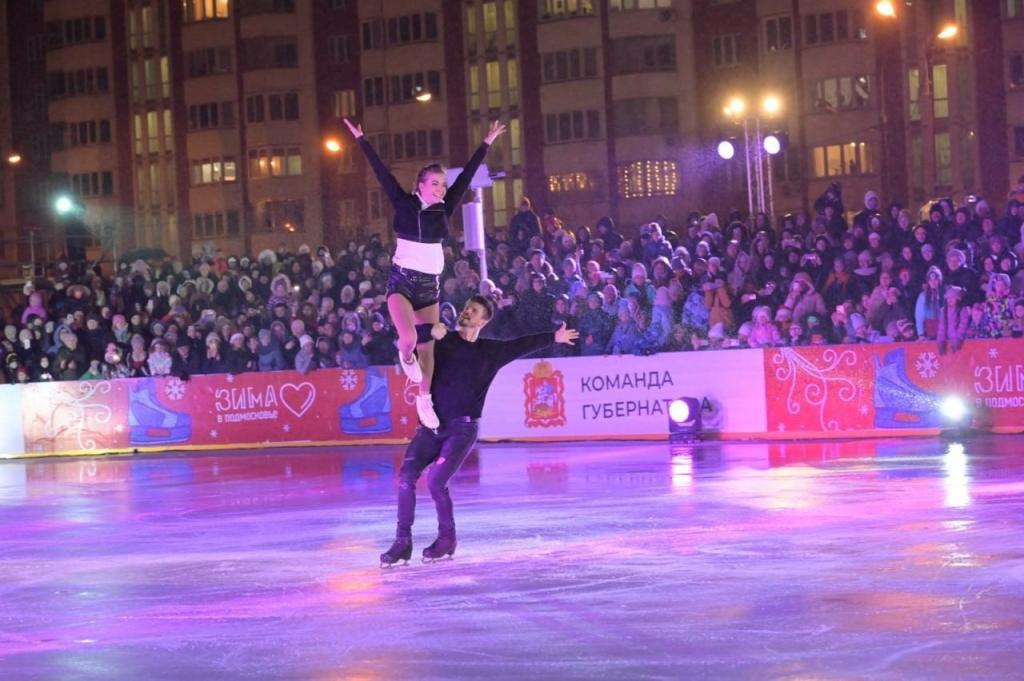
(421, 225)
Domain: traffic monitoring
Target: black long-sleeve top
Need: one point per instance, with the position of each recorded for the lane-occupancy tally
(464, 371)
(412, 221)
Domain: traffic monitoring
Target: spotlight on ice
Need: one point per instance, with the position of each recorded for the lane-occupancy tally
(953, 408)
(684, 420)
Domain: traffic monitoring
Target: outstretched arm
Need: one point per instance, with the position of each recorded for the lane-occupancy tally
(454, 194)
(388, 183)
(520, 347)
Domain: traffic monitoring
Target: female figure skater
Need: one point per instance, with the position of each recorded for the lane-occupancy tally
(421, 226)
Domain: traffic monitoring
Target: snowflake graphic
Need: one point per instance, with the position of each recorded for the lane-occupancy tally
(782, 427)
(231, 378)
(927, 365)
(119, 428)
(863, 409)
(349, 379)
(213, 433)
(993, 353)
(287, 428)
(175, 389)
(404, 420)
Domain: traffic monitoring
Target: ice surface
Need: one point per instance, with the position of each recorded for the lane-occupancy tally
(887, 559)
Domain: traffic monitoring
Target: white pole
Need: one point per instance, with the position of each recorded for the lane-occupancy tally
(750, 185)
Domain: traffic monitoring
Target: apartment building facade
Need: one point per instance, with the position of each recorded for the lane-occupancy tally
(185, 124)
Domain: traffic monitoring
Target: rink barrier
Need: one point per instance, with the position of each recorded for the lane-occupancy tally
(782, 393)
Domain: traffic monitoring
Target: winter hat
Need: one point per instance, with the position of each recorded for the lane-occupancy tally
(870, 195)
(119, 320)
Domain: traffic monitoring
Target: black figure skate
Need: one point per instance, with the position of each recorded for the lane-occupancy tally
(443, 547)
(401, 550)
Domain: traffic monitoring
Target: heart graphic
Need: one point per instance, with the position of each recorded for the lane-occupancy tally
(303, 395)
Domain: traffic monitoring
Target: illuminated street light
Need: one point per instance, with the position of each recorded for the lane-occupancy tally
(14, 158)
(64, 205)
(422, 94)
(771, 105)
(948, 32)
(332, 145)
(886, 8)
(736, 106)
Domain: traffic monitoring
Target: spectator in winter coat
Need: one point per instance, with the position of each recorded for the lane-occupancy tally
(269, 353)
(640, 286)
(929, 305)
(213, 361)
(595, 327)
(954, 319)
(625, 336)
(662, 319)
(350, 352)
(304, 357)
(763, 333)
(35, 307)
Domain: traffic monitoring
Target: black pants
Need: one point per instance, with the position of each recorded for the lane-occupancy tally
(447, 450)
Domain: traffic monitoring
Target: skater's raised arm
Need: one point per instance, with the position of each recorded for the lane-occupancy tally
(512, 350)
(455, 193)
(392, 189)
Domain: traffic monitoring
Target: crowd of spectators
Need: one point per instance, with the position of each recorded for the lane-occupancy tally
(829, 276)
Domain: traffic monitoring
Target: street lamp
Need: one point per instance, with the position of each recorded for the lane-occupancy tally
(14, 158)
(332, 145)
(757, 149)
(64, 205)
(422, 94)
(886, 8)
(948, 32)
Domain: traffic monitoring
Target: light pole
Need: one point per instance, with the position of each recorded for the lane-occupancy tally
(757, 150)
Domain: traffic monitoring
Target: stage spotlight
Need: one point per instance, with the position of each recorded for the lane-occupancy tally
(684, 420)
(953, 409)
(726, 149)
(772, 144)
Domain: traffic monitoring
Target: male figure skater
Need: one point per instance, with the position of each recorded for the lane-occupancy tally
(464, 367)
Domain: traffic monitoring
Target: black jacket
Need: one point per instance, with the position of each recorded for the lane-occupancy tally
(412, 222)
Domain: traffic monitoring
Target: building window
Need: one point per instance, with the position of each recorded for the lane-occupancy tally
(564, 9)
(1018, 141)
(93, 184)
(373, 34)
(381, 143)
(725, 50)
(572, 126)
(778, 33)
(646, 116)
(211, 115)
(342, 48)
(493, 73)
(626, 5)
(78, 83)
(640, 54)
(829, 27)
(570, 65)
(272, 52)
(943, 160)
(202, 10)
(1014, 9)
(77, 31)
(249, 8)
(642, 179)
(404, 88)
(86, 132)
(338, 4)
(1017, 70)
(940, 90)
(373, 91)
(412, 28)
(582, 184)
(841, 94)
(213, 171)
(914, 93)
(418, 144)
(287, 216)
(274, 107)
(374, 204)
(853, 158)
(344, 103)
(275, 162)
(208, 62)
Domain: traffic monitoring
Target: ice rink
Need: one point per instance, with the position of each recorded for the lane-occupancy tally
(889, 559)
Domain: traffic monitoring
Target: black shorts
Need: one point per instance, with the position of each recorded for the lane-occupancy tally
(420, 289)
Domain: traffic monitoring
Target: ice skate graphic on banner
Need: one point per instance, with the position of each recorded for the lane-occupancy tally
(899, 403)
(370, 412)
(544, 391)
(150, 421)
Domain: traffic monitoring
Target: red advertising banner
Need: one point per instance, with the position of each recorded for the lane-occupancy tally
(249, 409)
(892, 387)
